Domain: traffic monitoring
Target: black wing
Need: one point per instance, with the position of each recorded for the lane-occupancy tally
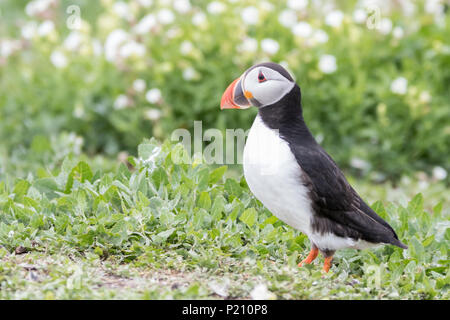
(338, 207)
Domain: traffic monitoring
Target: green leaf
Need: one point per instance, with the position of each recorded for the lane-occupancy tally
(132, 161)
(218, 207)
(82, 172)
(416, 204)
(270, 220)
(234, 214)
(159, 177)
(437, 209)
(21, 189)
(428, 241)
(40, 144)
(47, 186)
(204, 201)
(163, 235)
(202, 178)
(201, 218)
(233, 188)
(147, 149)
(249, 216)
(179, 155)
(124, 172)
(378, 207)
(217, 174)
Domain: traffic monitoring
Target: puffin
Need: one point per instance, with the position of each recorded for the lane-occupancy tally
(293, 176)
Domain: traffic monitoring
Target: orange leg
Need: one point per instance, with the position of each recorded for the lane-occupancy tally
(311, 256)
(327, 263)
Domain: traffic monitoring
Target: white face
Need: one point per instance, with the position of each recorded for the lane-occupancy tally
(265, 85)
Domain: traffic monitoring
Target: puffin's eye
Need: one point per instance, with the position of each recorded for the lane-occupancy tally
(261, 77)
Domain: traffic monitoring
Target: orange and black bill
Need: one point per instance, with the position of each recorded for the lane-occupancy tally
(234, 97)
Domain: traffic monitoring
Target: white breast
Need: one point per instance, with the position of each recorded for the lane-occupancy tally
(274, 177)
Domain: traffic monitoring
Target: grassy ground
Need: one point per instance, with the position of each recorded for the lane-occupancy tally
(163, 230)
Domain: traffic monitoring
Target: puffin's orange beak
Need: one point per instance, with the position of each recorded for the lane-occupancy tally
(233, 97)
(227, 101)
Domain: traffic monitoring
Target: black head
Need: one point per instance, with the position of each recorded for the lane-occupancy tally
(260, 86)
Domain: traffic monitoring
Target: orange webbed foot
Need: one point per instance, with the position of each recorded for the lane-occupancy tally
(327, 264)
(310, 258)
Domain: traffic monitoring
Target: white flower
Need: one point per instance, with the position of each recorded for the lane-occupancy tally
(334, 18)
(36, 7)
(132, 48)
(399, 85)
(58, 59)
(302, 29)
(73, 41)
(113, 42)
(359, 16)
(121, 102)
(248, 45)
(186, 47)
(8, 47)
(139, 85)
(425, 97)
(45, 28)
(270, 46)
(173, 32)
(408, 8)
(250, 15)
(29, 30)
(152, 114)
(215, 7)
(320, 36)
(439, 173)
(198, 19)
(182, 6)
(78, 111)
(122, 9)
(189, 73)
(145, 24)
(153, 95)
(145, 3)
(327, 63)
(287, 18)
(359, 163)
(423, 185)
(265, 6)
(434, 7)
(320, 137)
(97, 47)
(165, 16)
(297, 4)
(385, 26)
(260, 292)
(398, 32)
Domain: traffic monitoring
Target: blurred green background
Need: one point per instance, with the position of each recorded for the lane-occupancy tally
(99, 76)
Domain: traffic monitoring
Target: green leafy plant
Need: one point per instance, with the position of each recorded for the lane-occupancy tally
(166, 218)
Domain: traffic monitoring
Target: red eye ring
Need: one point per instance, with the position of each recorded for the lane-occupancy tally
(261, 77)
